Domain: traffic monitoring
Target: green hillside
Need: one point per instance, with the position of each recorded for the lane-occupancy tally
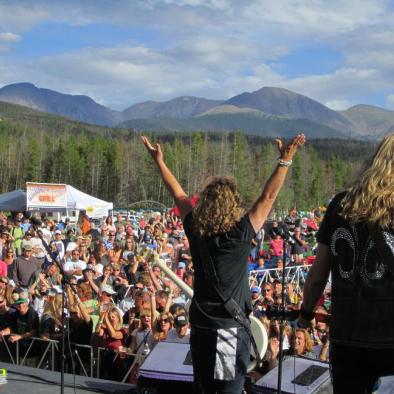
(112, 164)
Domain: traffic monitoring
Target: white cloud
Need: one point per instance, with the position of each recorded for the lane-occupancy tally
(338, 105)
(390, 101)
(9, 37)
(208, 48)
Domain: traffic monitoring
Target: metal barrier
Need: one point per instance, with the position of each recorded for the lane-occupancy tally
(51, 349)
(295, 273)
(138, 358)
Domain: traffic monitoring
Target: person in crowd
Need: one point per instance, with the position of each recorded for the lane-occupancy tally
(183, 252)
(60, 248)
(181, 331)
(292, 220)
(84, 222)
(3, 268)
(51, 320)
(267, 291)
(355, 245)
(17, 234)
(39, 293)
(129, 248)
(4, 286)
(24, 267)
(9, 259)
(142, 342)
(106, 300)
(87, 289)
(109, 224)
(163, 324)
(275, 230)
(110, 329)
(6, 320)
(301, 345)
(75, 265)
(5, 242)
(276, 247)
(298, 246)
(24, 326)
(217, 219)
(133, 313)
(255, 294)
(181, 269)
(102, 254)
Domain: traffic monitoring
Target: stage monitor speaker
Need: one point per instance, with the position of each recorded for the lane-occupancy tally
(167, 369)
(294, 372)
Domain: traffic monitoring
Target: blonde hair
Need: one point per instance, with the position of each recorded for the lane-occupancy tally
(116, 311)
(307, 339)
(218, 208)
(371, 198)
(53, 307)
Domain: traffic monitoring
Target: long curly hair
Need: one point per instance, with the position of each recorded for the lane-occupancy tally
(218, 208)
(371, 197)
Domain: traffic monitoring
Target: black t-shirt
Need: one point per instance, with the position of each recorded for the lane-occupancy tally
(230, 253)
(27, 322)
(362, 286)
(7, 319)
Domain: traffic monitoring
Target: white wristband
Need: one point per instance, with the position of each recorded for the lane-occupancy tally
(284, 163)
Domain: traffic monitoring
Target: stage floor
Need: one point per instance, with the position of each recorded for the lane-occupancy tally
(21, 380)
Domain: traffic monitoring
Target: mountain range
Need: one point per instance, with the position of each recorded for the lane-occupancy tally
(269, 111)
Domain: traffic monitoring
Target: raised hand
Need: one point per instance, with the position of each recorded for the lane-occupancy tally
(286, 152)
(154, 151)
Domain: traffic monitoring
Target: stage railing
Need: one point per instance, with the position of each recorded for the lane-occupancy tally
(293, 273)
(49, 353)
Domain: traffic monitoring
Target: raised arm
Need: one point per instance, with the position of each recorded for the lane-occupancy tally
(316, 280)
(180, 197)
(262, 206)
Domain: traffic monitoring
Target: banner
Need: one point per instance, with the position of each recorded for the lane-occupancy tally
(46, 195)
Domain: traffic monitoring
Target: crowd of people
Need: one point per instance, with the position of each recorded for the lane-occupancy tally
(118, 299)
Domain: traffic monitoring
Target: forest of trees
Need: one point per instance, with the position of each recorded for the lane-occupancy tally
(114, 166)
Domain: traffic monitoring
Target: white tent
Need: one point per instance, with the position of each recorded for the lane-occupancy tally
(94, 207)
(62, 198)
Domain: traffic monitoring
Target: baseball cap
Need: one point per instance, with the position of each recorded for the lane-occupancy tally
(58, 232)
(181, 264)
(27, 247)
(181, 320)
(90, 267)
(107, 289)
(255, 289)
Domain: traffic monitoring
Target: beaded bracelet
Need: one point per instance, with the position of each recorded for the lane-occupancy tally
(284, 163)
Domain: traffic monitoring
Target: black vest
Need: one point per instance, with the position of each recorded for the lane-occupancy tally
(362, 286)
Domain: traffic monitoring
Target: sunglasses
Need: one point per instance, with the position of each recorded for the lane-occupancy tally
(266, 290)
(164, 320)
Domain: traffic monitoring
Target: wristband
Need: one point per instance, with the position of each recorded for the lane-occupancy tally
(284, 163)
(306, 314)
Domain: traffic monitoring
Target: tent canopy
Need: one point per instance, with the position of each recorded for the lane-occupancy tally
(93, 206)
(16, 201)
(13, 201)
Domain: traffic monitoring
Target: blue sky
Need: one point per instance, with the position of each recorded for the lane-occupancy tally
(121, 52)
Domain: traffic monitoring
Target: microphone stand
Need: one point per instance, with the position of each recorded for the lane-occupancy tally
(282, 317)
(57, 262)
